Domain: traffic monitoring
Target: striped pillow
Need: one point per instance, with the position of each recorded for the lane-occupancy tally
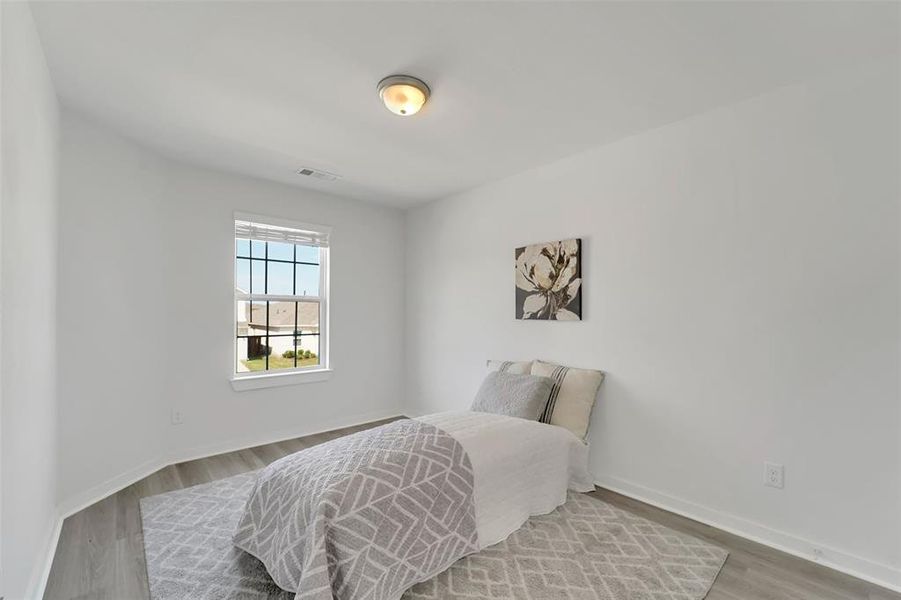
(523, 367)
(572, 396)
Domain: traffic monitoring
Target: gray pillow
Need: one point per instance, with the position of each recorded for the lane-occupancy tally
(514, 395)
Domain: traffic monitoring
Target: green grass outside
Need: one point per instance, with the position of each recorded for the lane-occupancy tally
(278, 362)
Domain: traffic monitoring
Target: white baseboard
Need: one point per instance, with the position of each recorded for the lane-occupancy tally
(412, 413)
(82, 500)
(42, 571)
(279, 436)
(856, 566)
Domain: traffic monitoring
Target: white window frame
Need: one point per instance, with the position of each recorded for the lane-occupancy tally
(309, 374)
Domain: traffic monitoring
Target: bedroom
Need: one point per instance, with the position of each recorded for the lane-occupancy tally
(222, 248)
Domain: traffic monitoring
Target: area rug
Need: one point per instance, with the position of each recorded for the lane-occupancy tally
(586, 549)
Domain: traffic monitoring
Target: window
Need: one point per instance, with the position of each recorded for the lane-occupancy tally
(281, 297)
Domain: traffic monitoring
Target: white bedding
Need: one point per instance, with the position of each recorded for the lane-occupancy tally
(521, 468)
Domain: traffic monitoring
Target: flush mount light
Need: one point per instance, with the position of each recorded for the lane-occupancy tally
(402, 94)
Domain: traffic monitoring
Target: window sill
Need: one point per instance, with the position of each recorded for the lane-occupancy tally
(255, 382)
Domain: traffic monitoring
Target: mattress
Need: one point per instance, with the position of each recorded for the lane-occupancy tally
(520, 468)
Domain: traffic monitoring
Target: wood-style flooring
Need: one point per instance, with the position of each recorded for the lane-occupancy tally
(101, 553)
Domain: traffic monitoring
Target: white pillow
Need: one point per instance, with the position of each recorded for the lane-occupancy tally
(523, 367)
(572, 396)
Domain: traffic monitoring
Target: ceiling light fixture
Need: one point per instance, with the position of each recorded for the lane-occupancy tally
(403, 95)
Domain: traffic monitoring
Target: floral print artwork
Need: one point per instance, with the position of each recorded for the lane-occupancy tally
(549, 281)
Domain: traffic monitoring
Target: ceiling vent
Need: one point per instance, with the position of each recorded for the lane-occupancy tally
(317, 174)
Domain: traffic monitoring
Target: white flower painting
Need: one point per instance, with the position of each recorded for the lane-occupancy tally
(549, 281)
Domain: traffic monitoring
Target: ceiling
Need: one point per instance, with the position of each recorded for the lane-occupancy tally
(264, 88)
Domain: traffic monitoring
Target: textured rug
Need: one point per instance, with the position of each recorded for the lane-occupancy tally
(586, 549)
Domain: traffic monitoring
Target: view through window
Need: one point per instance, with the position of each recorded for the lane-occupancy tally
(280, 297)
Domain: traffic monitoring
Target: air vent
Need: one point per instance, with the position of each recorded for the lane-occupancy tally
(317, 174)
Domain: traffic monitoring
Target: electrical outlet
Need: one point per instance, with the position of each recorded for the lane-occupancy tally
(773, 475)
(818, 555)
(177, 417)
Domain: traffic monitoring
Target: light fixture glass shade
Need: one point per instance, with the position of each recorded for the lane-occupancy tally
(403, 95)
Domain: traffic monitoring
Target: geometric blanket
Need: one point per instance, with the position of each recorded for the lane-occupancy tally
(364, 516)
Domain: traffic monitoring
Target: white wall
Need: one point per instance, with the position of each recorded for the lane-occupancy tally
(113, 306)
(741, 289)
(28, 213)
(146, 255)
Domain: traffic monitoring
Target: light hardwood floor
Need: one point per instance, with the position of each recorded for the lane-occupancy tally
(101, 552)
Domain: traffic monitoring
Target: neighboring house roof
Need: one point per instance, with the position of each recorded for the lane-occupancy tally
(281, 314)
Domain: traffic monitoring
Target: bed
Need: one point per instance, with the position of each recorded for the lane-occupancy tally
(521, 468)
(371, 514)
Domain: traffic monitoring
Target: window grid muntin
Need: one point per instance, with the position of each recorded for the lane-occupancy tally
(279, 260)
(265, 291)
(251, 297)
(278, 335)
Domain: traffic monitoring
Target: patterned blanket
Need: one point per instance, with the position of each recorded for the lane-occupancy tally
(363, 516)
